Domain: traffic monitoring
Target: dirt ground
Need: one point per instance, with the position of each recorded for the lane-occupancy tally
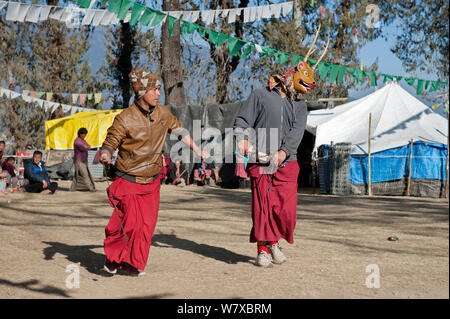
(200, 248)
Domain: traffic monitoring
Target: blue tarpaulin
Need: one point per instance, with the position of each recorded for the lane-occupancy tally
(428, 162)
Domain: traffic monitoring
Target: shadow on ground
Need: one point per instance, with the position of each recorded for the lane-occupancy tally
(217, 253)
(33, 285)
(88, 259)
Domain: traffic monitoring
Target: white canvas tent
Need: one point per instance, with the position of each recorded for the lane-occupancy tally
(397, 117)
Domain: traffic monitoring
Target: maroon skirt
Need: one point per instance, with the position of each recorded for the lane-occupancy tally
(137, 205)
(274, 203)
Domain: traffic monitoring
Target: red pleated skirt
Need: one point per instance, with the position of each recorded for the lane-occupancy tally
(274, 203)
(137, 205)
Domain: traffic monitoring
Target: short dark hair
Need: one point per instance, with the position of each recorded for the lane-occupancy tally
(82, 131)
(10, 158)
(2, 142)
(37, 153)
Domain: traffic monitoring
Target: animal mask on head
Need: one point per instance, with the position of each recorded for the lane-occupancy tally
(298, 79)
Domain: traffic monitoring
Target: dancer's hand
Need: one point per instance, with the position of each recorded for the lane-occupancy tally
(243, 147)
(279, 157)
(105, 158)
(203, 154)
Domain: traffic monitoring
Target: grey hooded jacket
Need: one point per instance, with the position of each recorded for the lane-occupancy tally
(268, 114)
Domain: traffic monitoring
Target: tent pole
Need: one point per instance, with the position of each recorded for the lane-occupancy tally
(370, 168)
(408, 187)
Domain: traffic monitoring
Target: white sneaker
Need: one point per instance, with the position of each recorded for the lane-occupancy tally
(263, 260)
(277, 256)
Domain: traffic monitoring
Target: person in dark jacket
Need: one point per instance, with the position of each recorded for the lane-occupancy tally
(37, 176)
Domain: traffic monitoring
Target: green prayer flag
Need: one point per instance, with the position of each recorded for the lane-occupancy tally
(84, 3)
(410, 81)
(333, 73)
(136, 13)
(125, 6)
(296, 59)
(39, 94)
(434, 86)
(114, 6)
(443, 84)
(217, 38)
(157, 20)
(201, 30)
(386, 77)
(340, 77)
(248, 50)
(171, 23)
(235, 45)
(147, 16)
(419, 86)
(398, 78)
(266, 52)
(284, 57)
(323, 68)
(90, 96)
(427, 84)
(356, 73)
(373, 78)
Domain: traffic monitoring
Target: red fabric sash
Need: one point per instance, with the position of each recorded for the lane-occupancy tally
(137, 205)
(274, 203)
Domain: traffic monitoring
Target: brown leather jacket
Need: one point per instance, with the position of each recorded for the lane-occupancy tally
(140, 138)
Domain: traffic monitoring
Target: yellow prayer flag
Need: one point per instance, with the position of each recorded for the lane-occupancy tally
(97, 97)
(49, 96)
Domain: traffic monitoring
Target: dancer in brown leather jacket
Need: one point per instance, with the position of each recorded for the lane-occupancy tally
(139, 133)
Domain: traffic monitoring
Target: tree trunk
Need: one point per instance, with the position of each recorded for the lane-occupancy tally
(124, 63)
(298, 13)
(172, 74)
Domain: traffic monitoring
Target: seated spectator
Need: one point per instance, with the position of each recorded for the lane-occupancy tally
(35, 173)
(8, 167)
(203, 173)
(2, 148)
(177, 174)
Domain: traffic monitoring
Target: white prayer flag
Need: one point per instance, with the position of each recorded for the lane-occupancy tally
(97, 17)
(25, 92)
(107, 18)
(276, 10)
(207, 16)
(225, 13)
(23, 12)
(88, 17)
(33, 14)
(246, 15)
(40, 102)
(2, 91)
(66, 108)
(287, 8)
(14, 95)
(258, 48)
(232, 15)
(187, 16)
(266, 12)
(176, 14)
(13, 11)
(195, 16)
(75, 98)
(253, 11)
(56, 13)
(45, 11)
(66, 16)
